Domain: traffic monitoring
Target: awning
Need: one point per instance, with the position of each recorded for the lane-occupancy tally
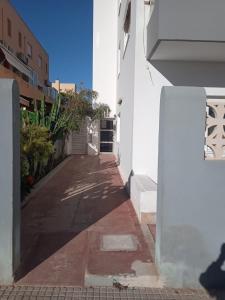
(15, 62)
(24, 102)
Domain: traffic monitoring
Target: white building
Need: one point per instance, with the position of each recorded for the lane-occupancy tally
(142, 48)
(104, 52)
(122, 74)
(64, 87)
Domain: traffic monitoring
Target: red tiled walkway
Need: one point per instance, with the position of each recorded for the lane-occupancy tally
(63, 225)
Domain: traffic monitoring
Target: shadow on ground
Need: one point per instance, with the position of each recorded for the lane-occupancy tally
(64, 220)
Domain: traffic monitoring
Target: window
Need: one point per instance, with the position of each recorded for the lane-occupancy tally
(39, 61)
(106, 124)
(106, 136)
(20, 39)
(126, 26)
(46, 68)
(9, 27)
(29, 50)
(106, 147)
(34, 78)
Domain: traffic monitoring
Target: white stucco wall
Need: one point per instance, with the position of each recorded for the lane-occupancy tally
(147, 88)
(105, 51)
(149, 78)
(190, 204)
(93, 137)
(139, 83)
(125, 92)
(139, 87)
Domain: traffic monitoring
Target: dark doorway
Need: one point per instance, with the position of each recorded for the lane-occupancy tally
(106, 136)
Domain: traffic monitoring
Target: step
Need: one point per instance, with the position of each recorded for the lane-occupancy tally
(148, 218)
(143, 195)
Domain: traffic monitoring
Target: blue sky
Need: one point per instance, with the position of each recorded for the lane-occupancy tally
(65, 31)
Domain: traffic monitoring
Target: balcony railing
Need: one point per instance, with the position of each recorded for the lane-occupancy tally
(50, 92)
(187, 31)
(26, 73)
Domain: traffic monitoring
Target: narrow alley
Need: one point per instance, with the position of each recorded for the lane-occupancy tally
(80, 229)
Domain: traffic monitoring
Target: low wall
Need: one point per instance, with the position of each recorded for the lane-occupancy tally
(63, 147)
(93, 137)
(191, 195)
(58, 149)
(143, 195)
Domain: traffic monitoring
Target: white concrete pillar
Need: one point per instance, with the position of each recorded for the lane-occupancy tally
(190, 204)
(9, 180)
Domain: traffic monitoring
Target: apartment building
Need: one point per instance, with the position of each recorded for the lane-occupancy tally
(23, 58)
(64, 87)
(143, 53)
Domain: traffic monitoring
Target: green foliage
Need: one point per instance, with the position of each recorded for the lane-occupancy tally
(36, 147)
(24, 166)
(41, 129)
(66, 114)
(100, 111)
(28, 117)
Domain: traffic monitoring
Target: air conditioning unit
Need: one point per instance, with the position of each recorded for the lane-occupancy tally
(22, 57)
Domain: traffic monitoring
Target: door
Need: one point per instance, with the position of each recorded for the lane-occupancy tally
(106, 136)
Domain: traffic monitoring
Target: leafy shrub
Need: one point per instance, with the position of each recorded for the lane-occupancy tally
(36, 147)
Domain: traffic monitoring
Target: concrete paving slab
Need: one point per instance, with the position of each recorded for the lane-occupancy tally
(116, 242)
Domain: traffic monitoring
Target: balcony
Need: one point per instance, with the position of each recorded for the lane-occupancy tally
(187, 30)
(25, 76)
(50, 92)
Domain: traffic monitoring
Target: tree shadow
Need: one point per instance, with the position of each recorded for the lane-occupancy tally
(213, 279)
(77, 197)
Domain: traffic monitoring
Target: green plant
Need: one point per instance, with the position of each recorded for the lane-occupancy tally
(100, 111)
(36, 147)
(67, 113)
(24, 166)
(40, 130)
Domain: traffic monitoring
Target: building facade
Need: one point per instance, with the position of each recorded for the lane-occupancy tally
(64, 87)
(23, 57)
(159, 46)
(104, 52)
(119, 36)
